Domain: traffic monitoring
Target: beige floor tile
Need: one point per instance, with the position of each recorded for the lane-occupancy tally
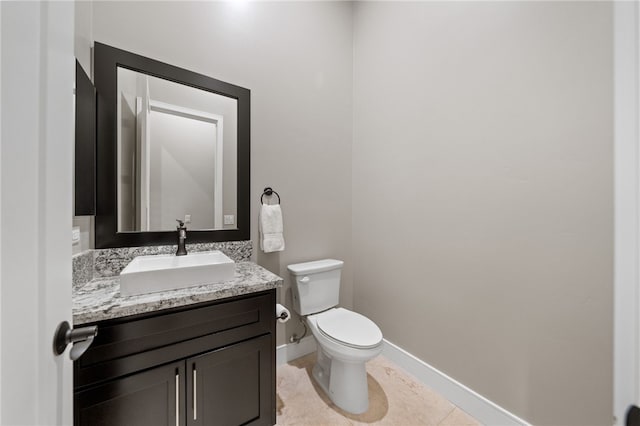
(395, 399)
(297, 400)
(459, 418)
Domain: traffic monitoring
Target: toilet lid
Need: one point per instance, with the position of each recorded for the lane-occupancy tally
(350, 328)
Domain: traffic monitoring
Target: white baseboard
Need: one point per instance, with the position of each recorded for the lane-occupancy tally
(290, 351)
(477, 406)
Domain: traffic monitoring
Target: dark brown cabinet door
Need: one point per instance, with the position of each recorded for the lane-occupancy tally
(232, 386)
(152, 398)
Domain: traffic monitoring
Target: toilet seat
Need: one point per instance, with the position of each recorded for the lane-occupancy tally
(349, 328)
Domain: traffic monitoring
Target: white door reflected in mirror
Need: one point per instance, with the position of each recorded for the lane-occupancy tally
(176, 155)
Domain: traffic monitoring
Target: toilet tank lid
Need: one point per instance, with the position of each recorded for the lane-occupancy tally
(315, 266)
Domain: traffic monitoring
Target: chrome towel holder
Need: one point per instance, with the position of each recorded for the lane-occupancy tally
(268, 191)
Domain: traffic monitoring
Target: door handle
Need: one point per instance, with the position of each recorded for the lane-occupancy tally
(177, 397)
(195, 393)
(80, 338)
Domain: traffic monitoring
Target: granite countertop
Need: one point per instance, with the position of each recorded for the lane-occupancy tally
(100, 298)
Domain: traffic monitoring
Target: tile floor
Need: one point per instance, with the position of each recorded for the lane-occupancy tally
(395, 399)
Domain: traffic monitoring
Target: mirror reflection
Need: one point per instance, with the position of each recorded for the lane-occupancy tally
(177, 155)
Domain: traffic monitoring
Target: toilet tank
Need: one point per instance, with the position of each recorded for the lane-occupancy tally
(316, 285)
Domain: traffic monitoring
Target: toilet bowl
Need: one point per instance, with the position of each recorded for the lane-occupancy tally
(346, 340)
(340, 366)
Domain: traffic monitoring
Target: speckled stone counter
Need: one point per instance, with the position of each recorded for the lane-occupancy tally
(100, 298)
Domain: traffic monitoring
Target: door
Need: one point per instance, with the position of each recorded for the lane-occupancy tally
(232, 385)
(36, 140)
(183, 143)
(151, 398)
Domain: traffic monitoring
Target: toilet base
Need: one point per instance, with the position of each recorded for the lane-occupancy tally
(345, 383)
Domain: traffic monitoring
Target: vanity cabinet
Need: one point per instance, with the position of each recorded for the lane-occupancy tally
(224, 386)
(152, 397)
(207, 364)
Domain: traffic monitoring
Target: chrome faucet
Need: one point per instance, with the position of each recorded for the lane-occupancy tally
(182, 235)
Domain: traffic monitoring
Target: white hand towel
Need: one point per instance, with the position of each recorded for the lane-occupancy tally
(271, 228)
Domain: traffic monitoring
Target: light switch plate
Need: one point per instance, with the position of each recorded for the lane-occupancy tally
(75, 235)
(229, 219)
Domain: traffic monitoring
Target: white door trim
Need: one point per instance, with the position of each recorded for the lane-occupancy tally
(626, 372)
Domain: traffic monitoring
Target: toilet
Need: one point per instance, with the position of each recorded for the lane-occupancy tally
(346, 340)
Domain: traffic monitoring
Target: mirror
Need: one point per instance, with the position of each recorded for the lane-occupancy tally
(171, 144)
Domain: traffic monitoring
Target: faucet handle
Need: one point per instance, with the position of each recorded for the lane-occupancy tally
(180, 223)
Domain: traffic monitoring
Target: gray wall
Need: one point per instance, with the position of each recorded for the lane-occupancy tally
(127, 128)
(482, 196)
(297, 60)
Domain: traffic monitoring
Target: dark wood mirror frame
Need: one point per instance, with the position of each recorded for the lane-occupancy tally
(106, 61)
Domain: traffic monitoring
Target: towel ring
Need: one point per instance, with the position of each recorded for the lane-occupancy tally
(268, 191)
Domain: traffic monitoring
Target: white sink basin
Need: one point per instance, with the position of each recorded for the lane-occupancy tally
(150, 274)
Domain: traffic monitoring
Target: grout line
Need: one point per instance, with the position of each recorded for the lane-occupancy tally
(449, 413)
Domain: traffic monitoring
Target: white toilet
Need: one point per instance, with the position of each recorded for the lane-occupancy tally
(346, 340)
